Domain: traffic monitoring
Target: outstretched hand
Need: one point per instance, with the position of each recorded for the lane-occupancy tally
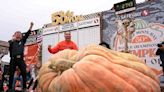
(31, 25)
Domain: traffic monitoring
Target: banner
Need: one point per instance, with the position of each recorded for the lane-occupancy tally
(143, 33)
(32, 52)
(72, 26)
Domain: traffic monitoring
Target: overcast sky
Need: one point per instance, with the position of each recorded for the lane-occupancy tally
(17, 14)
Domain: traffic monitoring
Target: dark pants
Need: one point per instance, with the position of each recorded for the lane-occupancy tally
(21, 65)
(35, 84)
(1, 84)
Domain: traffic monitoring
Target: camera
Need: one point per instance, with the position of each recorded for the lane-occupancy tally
(159, 45)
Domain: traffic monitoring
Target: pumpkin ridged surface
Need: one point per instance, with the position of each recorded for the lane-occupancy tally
(96, 69)
(123, 72)
(124, 60)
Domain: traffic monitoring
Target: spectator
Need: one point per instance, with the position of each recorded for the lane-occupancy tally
(17, 77)
(34, 79)
(160, 52)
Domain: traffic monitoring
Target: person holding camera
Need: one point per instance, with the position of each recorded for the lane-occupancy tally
(160, 52)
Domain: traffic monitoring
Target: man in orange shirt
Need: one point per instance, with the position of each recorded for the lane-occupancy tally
(66, 44)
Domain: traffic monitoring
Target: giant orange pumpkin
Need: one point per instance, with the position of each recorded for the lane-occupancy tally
(96, 69)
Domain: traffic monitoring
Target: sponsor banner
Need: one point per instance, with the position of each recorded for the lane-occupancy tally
(51, 30)
(81, 24)
(142, 42)
(88, 23)
(72, 26)
(69, 26)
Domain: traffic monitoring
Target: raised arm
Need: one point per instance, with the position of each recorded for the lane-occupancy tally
(28, 32)
(31, 25)
(53, 50)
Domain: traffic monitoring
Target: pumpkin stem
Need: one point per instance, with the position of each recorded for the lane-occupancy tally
(61, 65)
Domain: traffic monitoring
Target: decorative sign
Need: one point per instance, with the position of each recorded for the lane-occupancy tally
(144, 42)
(62, 18)
(32, 48)
(125, 8)
(32, 53)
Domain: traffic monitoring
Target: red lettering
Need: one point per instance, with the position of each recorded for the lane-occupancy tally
(144, 52)
(152, 52)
